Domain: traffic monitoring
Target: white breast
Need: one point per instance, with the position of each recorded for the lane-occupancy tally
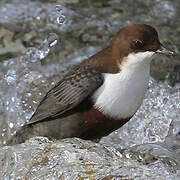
(121, 94)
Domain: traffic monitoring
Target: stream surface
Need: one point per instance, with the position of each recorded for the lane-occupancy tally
(38, 42)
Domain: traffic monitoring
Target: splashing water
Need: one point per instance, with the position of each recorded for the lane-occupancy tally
(51, 40)
(18, 80)
(151, 123)
(21, 77)
(40, 53)
(61, 19)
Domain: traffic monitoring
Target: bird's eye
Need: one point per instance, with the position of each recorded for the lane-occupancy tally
(137, 44)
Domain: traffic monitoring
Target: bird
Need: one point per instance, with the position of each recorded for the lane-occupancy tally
(102, 93)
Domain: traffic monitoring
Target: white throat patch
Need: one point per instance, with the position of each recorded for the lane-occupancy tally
(121, 94)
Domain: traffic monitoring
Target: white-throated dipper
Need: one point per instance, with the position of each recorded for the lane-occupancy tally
(100, 94)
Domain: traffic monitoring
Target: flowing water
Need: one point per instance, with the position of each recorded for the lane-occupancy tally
(147, 147)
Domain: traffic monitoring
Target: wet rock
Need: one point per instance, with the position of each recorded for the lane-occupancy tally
(74, 158)
(10, 45)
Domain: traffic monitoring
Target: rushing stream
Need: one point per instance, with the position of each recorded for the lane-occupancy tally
(147, 147)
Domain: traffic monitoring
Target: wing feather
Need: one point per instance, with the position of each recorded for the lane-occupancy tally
(76, 86)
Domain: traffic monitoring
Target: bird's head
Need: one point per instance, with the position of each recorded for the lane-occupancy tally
(136, 44)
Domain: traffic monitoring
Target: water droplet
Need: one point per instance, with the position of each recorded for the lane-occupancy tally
(29, 94)
(13, 99)
(11, 125)
(33, 54)
(28, 116)
(58, 8)
(61, 19)
(7, 103)
(38, 17)
(10, 77)
(43, 53)
(36, 55)
(51, 40)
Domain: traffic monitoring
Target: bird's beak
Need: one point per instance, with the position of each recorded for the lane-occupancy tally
(166, 51)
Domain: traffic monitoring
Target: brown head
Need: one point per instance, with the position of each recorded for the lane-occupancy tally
(140, 41)
(136, 38)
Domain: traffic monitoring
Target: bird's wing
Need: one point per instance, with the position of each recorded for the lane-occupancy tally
(76, 85)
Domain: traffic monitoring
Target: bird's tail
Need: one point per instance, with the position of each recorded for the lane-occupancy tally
(21, 136)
